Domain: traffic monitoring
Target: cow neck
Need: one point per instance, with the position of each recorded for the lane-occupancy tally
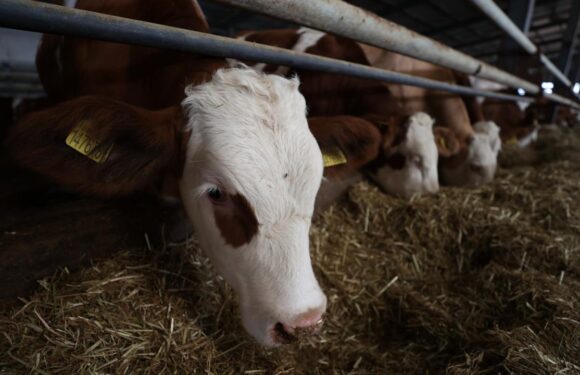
(169, 179)
(455, 160)
(393, 131)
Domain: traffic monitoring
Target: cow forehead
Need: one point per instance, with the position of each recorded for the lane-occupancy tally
(480, 150)
(419, 136)
(254, 137)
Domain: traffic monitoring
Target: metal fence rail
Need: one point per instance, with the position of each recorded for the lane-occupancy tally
(489, 8)
(341, 18)
(41, 17)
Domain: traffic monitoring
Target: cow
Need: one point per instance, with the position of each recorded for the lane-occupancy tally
(234, 142)
(406, 164)
(475, 162)
(354, 146)
(517, 120)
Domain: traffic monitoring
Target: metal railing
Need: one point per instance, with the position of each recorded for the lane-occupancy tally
(490, 8)
(47, 18)
(341, 18)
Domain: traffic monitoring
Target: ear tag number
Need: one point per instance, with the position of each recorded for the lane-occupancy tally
(333, 157)
(96, 149)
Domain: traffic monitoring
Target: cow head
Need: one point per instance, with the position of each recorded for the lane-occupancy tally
(348, 144)
(250, 179)
(249, 173)
(408, 161)
(476, 162)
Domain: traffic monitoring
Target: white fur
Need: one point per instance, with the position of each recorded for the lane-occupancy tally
(529, 139)
(419, 175)
(482, 84)
(248, 130)
(308, 38)
(492, 130)
(481, 162)
(258, 67)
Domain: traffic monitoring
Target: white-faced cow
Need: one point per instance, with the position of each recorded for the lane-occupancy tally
(238, 142)
(476, 161)
(517, 120)
(406, 162)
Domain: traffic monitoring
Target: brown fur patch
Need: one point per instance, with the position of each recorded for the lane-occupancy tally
(357, 138)
(147, 77)
(455, 160)
(446, 140)
(239, 224)
(145, 144)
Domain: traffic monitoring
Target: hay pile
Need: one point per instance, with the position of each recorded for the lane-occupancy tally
(463, 282)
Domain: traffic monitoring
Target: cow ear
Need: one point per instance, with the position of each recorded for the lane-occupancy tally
(446, 141)
(347, 143)
(393, 130)
(98, 145)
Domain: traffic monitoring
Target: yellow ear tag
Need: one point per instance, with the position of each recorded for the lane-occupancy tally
(333, 157)
(441, 141)
(512, 141)
(96, 149)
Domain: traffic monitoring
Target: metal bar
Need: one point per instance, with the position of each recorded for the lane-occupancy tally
(565, 60)
(562, 100)
(554, 70)
(494, 12)
(35, 16)
(521, 12)
(341, 18)
(572, 29)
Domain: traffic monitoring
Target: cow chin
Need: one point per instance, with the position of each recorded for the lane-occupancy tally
(468, 175)
(408, 181)
(279, 302)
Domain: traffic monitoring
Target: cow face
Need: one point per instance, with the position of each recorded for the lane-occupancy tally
(477, 163)
(250, 179)
(408, 165)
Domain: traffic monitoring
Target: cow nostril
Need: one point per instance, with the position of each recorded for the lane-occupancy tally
(282, 334)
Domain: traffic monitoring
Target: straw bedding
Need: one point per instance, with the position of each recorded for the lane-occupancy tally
(462, 282)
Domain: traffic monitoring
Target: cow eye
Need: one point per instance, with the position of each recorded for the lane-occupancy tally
(215, 194)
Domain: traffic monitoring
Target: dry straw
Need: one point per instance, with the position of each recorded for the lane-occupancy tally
(481, 281)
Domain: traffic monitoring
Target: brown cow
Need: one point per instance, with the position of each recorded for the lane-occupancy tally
(476, 162)
(517, 120)
(407, 162)
(248, 166)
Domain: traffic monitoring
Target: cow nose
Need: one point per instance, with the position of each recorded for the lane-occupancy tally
(308, 319)
(305, 324)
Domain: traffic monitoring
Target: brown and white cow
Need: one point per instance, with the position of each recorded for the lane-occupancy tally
(517, 120)
(407, 160)
(237, 140)
(476, 161)
(468, 154)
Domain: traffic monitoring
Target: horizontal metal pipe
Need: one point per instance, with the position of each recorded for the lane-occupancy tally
(562, 100)
(489, 8)
(497, 15)
(554, 70)
(47, 18)
(14, 76)
(341, 18)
